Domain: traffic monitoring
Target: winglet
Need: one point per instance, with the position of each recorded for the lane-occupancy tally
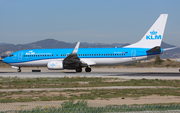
(76, 48)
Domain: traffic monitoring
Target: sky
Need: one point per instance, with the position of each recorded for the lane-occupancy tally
(92, 21)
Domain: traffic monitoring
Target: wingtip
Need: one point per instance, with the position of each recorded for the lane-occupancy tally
(78, 43)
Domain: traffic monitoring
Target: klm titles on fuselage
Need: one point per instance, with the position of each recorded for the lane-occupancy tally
(153, 36)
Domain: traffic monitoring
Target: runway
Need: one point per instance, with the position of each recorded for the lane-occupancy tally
(124, 73)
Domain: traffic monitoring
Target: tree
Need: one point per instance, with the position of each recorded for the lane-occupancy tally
(158, 60)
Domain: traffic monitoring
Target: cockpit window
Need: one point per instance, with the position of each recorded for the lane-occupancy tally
(11, 55)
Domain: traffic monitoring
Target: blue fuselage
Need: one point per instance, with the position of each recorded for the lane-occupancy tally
(101, 56)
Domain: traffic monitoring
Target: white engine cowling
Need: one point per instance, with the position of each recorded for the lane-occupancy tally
(55, 65)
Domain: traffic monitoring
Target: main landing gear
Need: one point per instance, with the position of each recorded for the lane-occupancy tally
(88, 69)
(78, 69)
(19, 69)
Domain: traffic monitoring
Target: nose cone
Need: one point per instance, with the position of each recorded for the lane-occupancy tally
(5, 60)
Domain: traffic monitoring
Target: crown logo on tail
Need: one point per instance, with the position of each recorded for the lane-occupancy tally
(153, 32)
(153, 36)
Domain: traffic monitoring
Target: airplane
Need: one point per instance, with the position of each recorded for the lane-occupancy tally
(77, 58)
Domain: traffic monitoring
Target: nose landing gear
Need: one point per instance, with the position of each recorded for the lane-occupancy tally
(19, 69)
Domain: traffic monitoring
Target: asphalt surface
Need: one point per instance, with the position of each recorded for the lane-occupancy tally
(125, 73)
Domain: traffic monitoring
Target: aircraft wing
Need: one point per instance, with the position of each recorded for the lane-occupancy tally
(74, 59)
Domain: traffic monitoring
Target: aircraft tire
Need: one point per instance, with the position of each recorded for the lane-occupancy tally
(19, 70)
(79, 70)
(88, 69)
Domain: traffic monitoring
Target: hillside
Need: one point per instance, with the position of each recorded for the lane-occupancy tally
(51, 43)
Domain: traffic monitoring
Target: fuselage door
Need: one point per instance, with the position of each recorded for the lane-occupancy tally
(20, 56)
(133, 54)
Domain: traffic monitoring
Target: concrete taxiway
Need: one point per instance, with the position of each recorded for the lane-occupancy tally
(125, 73)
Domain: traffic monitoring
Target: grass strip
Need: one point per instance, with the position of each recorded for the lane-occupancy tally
(82, 107)
(83, 94)
(21, 83)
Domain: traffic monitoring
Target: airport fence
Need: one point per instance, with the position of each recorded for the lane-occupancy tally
(83, 107)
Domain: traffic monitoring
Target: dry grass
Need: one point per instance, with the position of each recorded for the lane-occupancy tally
(21, 83)
(3, 65)
(84, 94)
(165, 63)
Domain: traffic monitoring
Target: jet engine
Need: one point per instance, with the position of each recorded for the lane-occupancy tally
(55, 65)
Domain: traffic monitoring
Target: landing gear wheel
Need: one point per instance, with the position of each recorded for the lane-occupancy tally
(88, 69)
(79, 70)
(19, 70)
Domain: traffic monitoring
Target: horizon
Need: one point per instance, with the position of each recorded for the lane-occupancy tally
(81, 42)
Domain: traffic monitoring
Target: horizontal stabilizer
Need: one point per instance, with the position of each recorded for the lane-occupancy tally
(166, 49)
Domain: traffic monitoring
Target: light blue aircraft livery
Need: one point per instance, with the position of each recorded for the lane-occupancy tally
(59, 59)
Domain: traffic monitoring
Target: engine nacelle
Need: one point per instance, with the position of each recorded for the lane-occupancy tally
(55, 65)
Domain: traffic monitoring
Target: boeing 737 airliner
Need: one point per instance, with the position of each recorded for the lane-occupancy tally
(59, 59)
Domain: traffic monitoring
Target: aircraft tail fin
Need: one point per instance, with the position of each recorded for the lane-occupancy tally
(154, 35)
